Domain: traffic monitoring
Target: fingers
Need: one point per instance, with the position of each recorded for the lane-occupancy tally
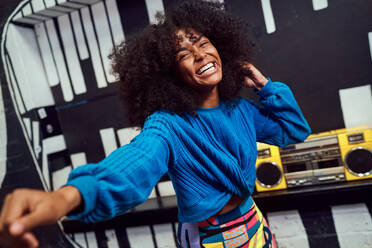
(249, 66)
(256, 80)
(9, 213)
(3, 210)
(13, 224)
(29, 221)
(14, 207)
(256, 74)
(27, 240)
(25, 209)
(250, 83)
(30, 240)
(16, 228)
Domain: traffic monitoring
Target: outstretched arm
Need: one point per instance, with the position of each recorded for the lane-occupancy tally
(127, 176)
(94, 192)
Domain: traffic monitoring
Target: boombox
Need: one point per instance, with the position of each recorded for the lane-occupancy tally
(328, 157)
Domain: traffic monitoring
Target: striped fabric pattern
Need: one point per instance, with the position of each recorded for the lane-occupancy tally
(243, 227)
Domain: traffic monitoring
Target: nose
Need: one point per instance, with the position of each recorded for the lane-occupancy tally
(199, 54)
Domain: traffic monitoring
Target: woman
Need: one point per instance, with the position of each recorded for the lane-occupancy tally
(180, 80)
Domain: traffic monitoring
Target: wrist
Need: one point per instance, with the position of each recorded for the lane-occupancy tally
(261, 82)
(71, 197)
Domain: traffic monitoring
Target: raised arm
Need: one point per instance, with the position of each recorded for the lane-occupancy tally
(279, 121)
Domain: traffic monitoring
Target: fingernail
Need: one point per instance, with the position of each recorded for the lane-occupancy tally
(16, 228)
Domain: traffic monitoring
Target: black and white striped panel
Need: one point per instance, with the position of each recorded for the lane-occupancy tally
(3, 139)
(304, 33)
(67, 42)
(269, 17)
(337, 226)
(53, 62)
(37, 11)
(360, 99)
(153, 236)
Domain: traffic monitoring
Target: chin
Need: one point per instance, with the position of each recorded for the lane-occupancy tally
(212, 81)
(206, 86)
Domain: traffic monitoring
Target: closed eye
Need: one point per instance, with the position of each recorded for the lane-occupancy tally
(203, 43)
(182, 56)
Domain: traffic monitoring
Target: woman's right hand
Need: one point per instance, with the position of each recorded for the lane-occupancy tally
(25, 209)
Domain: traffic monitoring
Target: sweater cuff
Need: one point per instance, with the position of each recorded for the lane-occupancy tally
(87, 185)
(267, 90)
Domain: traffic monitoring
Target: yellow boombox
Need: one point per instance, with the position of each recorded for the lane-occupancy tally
(269, 170)
(327, 157)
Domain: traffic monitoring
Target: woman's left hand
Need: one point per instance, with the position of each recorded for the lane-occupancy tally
(257, 80)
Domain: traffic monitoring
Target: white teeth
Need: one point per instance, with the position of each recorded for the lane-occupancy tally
(205, 68)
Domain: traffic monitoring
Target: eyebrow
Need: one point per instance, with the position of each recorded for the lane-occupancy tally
(198, 38)
(180, 49)
(193, 40)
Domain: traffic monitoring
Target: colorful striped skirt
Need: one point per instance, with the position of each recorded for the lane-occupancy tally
(243, 227)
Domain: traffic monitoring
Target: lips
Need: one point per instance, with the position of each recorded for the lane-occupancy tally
(209, 67)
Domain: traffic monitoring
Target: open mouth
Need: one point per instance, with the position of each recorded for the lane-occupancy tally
(207, 68)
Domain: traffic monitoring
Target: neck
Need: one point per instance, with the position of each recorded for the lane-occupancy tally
(212, 98)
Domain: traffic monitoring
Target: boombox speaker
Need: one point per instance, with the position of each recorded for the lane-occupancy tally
(269, 170)
(356, 152)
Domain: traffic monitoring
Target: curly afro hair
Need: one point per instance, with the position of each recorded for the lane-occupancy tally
(145, 63)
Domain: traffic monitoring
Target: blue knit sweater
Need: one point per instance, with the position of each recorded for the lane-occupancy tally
(208, 157)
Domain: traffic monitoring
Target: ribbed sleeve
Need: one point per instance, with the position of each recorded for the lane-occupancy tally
(280, 122)
(127, 176)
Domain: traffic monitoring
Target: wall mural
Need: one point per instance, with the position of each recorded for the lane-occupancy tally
(59, 108)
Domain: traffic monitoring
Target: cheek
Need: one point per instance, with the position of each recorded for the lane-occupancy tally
(185, 74)
(216, 54)
(186, 69)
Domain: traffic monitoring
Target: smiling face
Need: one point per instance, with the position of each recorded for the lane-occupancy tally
(198, 62)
